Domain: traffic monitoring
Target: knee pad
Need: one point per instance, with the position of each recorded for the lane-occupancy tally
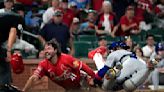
(129, 86)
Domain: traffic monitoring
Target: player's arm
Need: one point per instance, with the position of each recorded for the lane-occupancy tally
(30, 83)
(35, 78)
(100, 75)
(109, 64)
(87, 69)
(79, 65)
(11, 40)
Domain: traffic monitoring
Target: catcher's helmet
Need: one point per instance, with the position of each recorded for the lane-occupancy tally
(17, 63)
(113, 45)
(123, 45)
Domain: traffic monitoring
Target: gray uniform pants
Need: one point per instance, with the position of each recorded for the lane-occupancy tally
(156, 78)
(133, 70)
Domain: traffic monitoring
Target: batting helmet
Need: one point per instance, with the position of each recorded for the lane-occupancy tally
(17, 63)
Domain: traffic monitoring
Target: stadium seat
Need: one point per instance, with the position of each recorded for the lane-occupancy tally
(136, 38)
(111, 39)
(158, 38)
(90, 38)
(143, 34)
(82, 48)
(141, 44)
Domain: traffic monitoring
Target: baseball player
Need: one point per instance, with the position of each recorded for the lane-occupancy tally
(61, 68)
(156, 75)
(122, 70)
(98, 55)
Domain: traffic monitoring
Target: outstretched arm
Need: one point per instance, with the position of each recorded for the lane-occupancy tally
(30, 83)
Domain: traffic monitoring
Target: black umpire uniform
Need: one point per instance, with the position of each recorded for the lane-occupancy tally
(7, 21)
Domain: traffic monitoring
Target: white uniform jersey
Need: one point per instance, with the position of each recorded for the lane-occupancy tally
(132, 74)
(115, 57)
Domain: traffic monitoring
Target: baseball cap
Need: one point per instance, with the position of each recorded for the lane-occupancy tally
(91, 11)
(58, 12)
(8, 0)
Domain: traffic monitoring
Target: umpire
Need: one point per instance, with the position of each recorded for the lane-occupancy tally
(8, 32)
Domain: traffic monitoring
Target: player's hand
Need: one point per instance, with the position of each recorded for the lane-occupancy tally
(90, 81)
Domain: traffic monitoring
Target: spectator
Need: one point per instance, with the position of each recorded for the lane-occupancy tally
(142, 7)
(159, 11)
(90, 23)
(129, 24)
(25, 2)
(97, 5)
(48, 15)
(33, 19)
(119, 7)
(68, 13)
(139, 53)
(149, 48)
(20, 9)
(129, 42)
(8, 6)
(62, 69)
(74, 29)
(81, 4)
(105, 21)
(58, 30)
(73, 7)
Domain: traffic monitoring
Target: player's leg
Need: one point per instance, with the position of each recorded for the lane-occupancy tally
(111, 83)
(155, 78)
(137, 79)
(5, 73)
(108, 84)
(129, 67)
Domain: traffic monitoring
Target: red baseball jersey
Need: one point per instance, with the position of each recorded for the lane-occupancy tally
(66, 71)
(159, 8)
(142, 5)
(124, 21)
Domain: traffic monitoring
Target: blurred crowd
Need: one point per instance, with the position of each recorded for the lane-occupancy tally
(67, 20)
(72, 18)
